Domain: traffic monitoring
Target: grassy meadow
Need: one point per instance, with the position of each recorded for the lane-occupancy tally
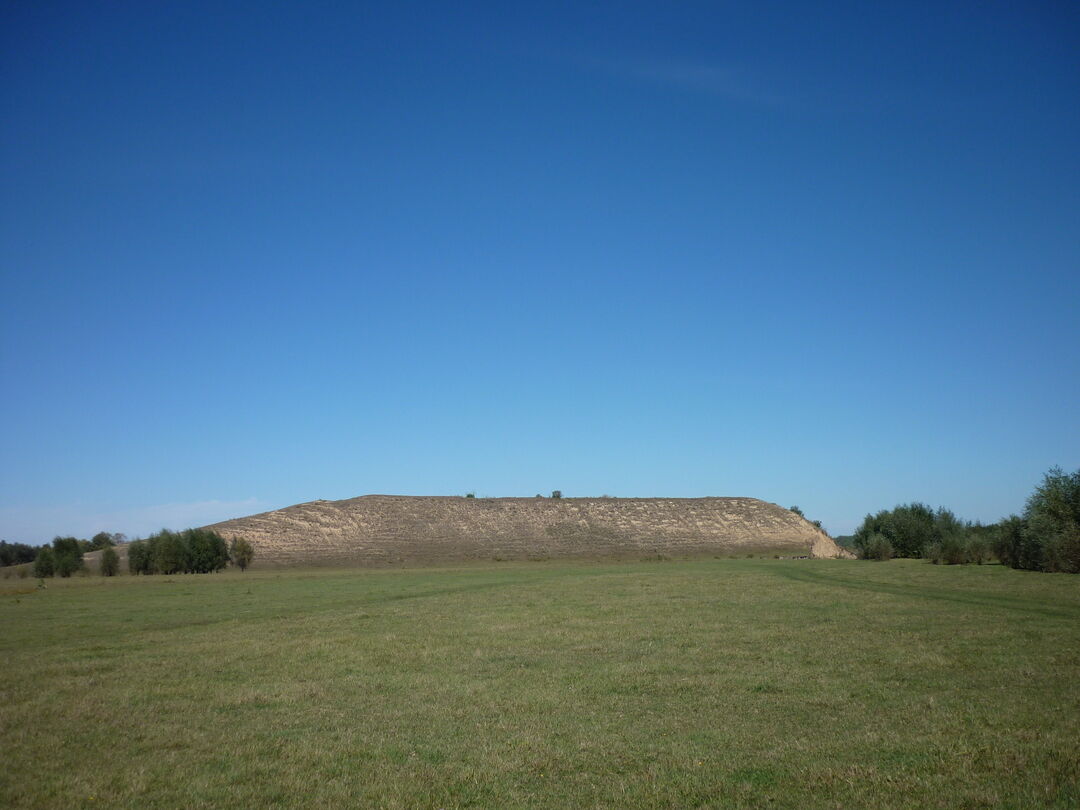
(719, 683)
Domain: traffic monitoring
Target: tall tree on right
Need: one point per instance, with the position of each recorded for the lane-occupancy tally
(241, 552)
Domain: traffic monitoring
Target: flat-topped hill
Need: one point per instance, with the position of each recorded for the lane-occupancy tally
(394, 529)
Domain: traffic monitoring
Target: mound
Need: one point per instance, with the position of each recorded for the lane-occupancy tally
(393, 529)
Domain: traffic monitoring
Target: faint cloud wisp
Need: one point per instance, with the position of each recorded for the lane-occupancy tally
(729, 82)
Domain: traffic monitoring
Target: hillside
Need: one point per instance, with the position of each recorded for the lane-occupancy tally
(393, 529)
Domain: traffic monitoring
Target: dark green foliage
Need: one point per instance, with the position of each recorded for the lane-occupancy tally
(193, 551)
(876, 547)
(470, 494)
(916, 530)
(139, 558)
(68, 552)
(206, 551)
(1047, 537)
(909, 528)
(1008, 540)
(959, 548)
(241, 552)
(168, 554)
(1052, 515)
(45, 563)
(16, 553)
(104, 540)
(556, 494)
(110, 562)
(66, 565)
(796, 510)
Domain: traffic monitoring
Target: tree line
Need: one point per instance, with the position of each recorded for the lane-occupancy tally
(192, 551)
(1046, 537)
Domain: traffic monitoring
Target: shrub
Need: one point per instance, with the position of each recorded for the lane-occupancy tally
(1007, 540)
(556, 494)
(16, 553)
(1052, 518)
(139, 558)
(45, 563)
(66, 565)
(242, 552)
(958, 549)
(916, 530)
(796, 510)
(110, 562)
(168, 553)
(205, 551)
(103, 540)
(68, 553)
(876, 547)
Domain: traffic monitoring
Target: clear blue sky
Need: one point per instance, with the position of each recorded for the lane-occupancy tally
(261, 253)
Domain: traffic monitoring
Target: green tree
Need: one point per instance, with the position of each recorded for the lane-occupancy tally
(206, 551)
(556, 494)
(16, 553)
(796, 510)
(1007, 540)
(242, 552)
(110, 562)
(1051, 539)
(876, 547)
(104, 539)
(909, 528)
(168, 552)
(138, 557)
(68, 552)
(44, 563)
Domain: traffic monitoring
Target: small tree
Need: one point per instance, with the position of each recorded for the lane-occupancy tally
(876, 547)
(556, 494)
(1052, 515)
(68, 555)
(103, 540)
(796, 510)
(110, 562)
(138, 558)
(44, 563)
(241, 552)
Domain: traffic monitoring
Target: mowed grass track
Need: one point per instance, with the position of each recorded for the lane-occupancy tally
(723, 683)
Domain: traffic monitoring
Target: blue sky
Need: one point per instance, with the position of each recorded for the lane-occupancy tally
(255, 254)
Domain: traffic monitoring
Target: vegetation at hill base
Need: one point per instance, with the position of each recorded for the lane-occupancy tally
(192, 551)
(713, 683)
(241, 553)
(110, 562)
(16, 553)
(1045, 538)
(63, 558)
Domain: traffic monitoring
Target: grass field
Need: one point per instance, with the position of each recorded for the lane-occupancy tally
(723, 683)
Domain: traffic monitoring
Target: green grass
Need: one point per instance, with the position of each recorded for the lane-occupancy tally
(722, 683)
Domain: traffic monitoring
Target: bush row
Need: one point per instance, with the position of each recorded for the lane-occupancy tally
(192, 551)
(63, 558)
(1045, 538)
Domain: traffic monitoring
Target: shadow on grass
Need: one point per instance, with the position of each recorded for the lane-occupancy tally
(1011, 603)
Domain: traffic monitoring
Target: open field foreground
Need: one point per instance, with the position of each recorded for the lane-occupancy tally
(719, 683)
